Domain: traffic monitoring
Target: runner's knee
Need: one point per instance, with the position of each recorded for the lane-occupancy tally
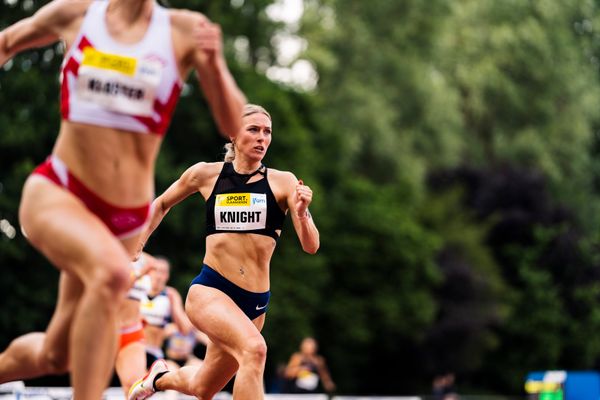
(112, 279)
(55, 361)
(255, 350)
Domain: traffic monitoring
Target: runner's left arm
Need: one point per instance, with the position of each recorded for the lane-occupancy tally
(224, 97)
(299, 198)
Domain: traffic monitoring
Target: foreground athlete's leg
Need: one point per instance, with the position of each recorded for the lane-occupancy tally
(77, 242)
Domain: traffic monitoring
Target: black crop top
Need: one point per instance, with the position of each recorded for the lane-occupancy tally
(236, 206)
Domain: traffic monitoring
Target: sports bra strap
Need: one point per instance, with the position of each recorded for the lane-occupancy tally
(242, 179)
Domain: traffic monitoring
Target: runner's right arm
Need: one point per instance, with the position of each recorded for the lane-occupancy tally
(46, 26)
(186, 185)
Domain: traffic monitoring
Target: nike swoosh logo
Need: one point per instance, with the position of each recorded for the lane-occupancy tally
(260, 308)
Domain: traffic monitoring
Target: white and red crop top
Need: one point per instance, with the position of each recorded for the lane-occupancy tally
(130, 87)
(156, 310)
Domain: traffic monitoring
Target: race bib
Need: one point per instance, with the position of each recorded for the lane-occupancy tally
(181, 344)
(122, 84)
(307, 380)
(240, 211)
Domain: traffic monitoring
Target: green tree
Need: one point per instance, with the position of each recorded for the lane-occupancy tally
(453, 151)
(483, 85)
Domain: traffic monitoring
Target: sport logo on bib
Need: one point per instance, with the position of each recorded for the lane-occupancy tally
(123, 84)
(240, 211)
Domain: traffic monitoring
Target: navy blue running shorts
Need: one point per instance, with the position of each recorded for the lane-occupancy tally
(251, 303)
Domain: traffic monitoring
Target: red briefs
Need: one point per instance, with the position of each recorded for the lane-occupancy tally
(122, 222)
(131, 334)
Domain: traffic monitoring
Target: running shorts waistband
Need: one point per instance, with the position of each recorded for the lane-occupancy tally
(253, 304)
(131, 334)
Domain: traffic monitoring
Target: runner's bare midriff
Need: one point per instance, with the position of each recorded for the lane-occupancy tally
(242, 258)
(154, 335)
(117, 165)
(129, 314)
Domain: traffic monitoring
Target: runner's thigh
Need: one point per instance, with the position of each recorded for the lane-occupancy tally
(67, 233)
(215, 313)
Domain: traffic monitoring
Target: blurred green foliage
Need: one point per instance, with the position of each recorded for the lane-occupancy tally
(454, 151)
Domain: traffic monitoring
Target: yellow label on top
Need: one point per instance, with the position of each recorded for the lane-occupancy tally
(233, 199)
(112, 62)
(533, 387)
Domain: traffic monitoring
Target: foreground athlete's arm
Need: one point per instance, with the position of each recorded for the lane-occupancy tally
(222, 93)
(48, 25)
(205, 56)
